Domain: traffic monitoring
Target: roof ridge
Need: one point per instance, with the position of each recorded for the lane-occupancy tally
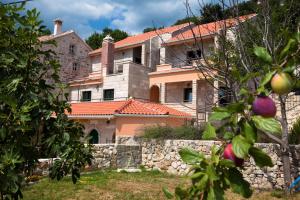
(154, 109)
(123, 106)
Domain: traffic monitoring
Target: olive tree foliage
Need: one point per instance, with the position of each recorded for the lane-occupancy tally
(32, 115)
(248, 55)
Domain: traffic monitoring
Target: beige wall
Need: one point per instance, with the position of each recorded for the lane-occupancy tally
(138, 86)
(130, 126)
(176, 54)
(104, 129)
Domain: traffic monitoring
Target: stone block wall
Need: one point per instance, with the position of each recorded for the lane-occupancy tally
(163, 155)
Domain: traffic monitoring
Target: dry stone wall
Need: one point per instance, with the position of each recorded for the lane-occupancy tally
(164, 156)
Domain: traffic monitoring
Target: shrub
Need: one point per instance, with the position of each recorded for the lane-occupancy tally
(294, 136)
(167, 132)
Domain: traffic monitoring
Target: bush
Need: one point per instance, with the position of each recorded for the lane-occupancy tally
(294, 136)
(167, 132)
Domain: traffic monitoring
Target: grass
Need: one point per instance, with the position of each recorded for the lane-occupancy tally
(113, 185)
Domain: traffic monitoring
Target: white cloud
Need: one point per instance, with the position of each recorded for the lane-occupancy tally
(129, 15)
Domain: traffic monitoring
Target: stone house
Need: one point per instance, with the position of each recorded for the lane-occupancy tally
(151, 71)
(71, 52)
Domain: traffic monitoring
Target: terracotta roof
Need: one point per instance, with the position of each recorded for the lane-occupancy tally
(207, 29)
(128, 107)
(140, 38)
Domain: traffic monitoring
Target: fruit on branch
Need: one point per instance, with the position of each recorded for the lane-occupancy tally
(229, 155)
(264, 106)
(282, 83)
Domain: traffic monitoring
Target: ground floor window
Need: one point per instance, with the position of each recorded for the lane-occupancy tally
(94, 137)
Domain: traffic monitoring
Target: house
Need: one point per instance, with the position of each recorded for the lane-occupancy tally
(108, 121)
(71, 52)
(153, 71)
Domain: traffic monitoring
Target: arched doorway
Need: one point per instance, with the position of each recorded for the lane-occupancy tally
(94, 137)
(154, 94)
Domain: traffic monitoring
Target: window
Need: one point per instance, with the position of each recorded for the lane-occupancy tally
(188, 95)
(120, 68)
(75, 66)
(193, 55)
(108, 94)
(137, 55)
(72, 49)
(224, 96)
(86, 96)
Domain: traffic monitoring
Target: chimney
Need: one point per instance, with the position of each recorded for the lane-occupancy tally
(57, 26)
(107, 56)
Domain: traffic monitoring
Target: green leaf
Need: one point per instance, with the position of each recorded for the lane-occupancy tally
(211, 194)
(262, 54)
(240, 146)
(228, 136)
(190, 156)
(227, 163)
(201, 184)
(167, 193)
(291, 44)
(209, 133)
(236, 107)
(261, 158)
(249, 132)
(211, 172)
(269, 125)
(238, 184)
(267, 78)
(217, 116)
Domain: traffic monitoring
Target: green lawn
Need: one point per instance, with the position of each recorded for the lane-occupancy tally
(113, 185)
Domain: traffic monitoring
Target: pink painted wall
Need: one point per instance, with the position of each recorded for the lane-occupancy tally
(130, 126)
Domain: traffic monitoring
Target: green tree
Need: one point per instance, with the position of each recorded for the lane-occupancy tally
(95, 40)
(33, 122)
(211, 12)
(152, 29)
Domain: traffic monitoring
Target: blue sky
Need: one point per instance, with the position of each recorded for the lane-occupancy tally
(88, 16)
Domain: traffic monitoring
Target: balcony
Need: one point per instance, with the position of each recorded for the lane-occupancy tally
(92, 79)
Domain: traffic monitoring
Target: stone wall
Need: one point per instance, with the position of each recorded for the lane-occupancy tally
(163, 155)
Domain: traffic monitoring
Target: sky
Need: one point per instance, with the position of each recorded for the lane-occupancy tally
(87, 16)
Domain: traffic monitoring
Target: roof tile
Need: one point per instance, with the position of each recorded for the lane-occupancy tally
(131, 107)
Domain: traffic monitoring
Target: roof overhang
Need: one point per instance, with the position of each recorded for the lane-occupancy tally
(153, 116)
(91, 116)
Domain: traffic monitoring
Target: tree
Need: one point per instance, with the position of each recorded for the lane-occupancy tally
(193, 19)
(211, 12)
(32, 115)
(262, 52)
(95, 40)
(152, 29)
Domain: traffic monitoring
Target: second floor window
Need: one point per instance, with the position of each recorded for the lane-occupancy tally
(72, 49)
(75, 66)
(86, 96)
(193, 55)
(188, 95)
(108, 95)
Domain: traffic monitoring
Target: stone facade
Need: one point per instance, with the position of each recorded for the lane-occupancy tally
(72, 54)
